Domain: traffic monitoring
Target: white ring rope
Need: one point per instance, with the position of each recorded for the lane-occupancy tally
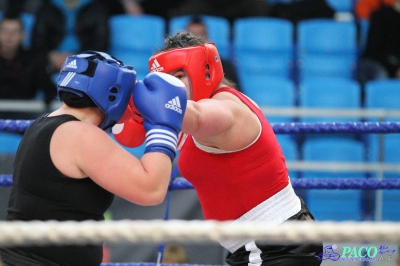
(157, 231)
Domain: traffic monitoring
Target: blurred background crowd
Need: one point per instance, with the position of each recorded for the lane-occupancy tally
(342, 54)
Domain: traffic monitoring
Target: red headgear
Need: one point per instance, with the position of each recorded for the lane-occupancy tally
(201, 63)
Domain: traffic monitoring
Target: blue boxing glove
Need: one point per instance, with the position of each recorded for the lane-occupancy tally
(161, 100)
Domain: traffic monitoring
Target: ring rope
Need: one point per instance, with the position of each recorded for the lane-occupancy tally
(291, 128)
(321, 183)
(156, 231)
(355, 113)
(181, 183)
(279, 128)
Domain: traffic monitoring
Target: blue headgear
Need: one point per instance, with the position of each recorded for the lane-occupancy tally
(102, 78)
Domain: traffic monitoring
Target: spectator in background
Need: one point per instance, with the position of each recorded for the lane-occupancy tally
(296, 11)
(229, 9)
(66, 27)
(19, 6)
(23, 72)
(364, 8)
(132, 7)
(198, 28)
(381, 58)
(175, 254)
(162, 8)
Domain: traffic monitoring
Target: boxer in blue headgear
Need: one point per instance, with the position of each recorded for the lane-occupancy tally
(102, 78)
(68, 167)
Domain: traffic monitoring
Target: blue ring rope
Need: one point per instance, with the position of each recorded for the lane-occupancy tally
(279, 128)
(180, 183)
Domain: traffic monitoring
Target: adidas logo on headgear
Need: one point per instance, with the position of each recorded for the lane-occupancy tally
(72, 64)
(174, 104)
(156, 67)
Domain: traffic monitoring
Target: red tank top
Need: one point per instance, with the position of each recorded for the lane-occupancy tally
(230, 184)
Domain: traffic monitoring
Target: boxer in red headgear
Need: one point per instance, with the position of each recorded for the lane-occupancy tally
(231, 154)
(205, 70)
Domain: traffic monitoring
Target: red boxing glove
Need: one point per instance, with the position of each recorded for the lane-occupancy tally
(130, 134)
(131, 112)
(126, 116)
(130, 131)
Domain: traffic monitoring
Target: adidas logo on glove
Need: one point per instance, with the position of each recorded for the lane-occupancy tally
(174, 104)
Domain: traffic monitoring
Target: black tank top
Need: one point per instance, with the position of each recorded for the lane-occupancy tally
(41, 192)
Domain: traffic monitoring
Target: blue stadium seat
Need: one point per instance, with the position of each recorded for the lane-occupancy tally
(271, 92)
(327, 204)
(9, 142)
(133, 39)
(342, 5)
(333, 150)
(263, 46)
(384, 95)
(290, 151)
(363, 35)
(325, 46)
(389, 154)
(289, 147)
(332, 93)
(326, 36)
(218, 29)
(28, 20)
(390, 205)
(325, 66)
(136, 59)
